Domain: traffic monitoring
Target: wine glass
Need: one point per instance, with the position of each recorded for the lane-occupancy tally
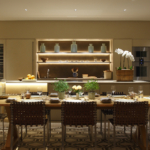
(39, 90)
(113, 89)
(140, 90)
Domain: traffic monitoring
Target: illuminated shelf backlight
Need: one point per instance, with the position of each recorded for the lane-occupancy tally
(78, 63)
(68, 53)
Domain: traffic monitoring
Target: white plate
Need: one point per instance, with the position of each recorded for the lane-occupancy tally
(146, 97)
(124, 100)
(32, 100)
(118, 96)
(75, 96)
(76, 101)
(35, 96)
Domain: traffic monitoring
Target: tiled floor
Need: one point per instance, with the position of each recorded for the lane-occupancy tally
(76, 139)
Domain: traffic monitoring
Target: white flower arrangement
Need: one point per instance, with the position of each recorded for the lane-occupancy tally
(125, 54)
(77, 88)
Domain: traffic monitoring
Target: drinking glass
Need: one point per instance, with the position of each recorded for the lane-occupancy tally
(109, 94)
(140, 90)
(113, 89)
(39, 90)
(135, 96)
(44, 97)
(131, 91)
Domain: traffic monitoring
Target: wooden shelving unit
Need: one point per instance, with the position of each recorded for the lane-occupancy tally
(60, 64)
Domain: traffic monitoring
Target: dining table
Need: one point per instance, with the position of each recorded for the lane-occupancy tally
(141, 139)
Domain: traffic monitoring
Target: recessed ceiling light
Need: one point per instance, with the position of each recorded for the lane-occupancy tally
(75, 10)
(125, 9)
(26, 9)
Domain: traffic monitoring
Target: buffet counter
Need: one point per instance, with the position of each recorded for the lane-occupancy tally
(77, 81)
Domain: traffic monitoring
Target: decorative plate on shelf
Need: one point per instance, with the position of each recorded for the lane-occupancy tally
(29, 80)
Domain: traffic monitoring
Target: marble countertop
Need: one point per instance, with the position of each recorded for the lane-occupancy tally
(75, 81)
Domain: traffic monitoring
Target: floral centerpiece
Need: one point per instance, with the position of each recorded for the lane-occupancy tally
(125, 54)
(124, 74)
(77, 89)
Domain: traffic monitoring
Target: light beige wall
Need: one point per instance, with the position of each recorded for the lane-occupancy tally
(75, 29)
(125, 34)
(18, 58)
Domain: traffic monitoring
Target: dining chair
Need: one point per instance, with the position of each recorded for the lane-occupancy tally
(78, 114)
(106, 112)
(28, 113)
(2, 117)
(129, 114)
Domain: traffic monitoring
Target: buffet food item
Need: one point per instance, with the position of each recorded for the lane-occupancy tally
(29, 76)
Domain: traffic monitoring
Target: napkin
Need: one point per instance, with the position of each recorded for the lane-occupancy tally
(146, 97)
(8, 100)
(105, 100)
(53, 94)
(55, 100)
(97, 95)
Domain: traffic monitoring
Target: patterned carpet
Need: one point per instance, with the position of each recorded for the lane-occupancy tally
(76, 139)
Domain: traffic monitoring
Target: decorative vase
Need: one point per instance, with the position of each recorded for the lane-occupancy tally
(61, 95)
(74, 47)
(103, 48)
(42, 48)
(77, 95)
(56, 48)
(90, 48)
(91, 95)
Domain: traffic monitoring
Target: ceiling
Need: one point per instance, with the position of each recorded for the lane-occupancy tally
(136, 10)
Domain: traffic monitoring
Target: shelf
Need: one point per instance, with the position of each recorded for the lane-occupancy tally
(69, 53)
(70, 63)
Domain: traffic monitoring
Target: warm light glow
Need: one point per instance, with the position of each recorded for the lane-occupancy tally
(105, 40)
(26, 9)
(75, 10)
(74, 63)
(125, 9)
(25, 83)
(16, 88)
(79, 54)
